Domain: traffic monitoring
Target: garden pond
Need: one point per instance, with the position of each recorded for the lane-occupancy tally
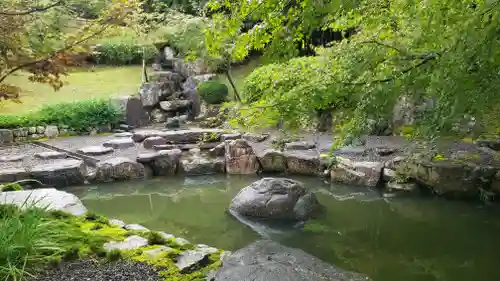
(389, 239)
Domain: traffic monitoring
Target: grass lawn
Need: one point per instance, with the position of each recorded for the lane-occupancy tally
(83, 84)
(96, 82)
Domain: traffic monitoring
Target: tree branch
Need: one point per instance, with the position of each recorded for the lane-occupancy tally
(51, 55)
(425, 59)
(32, 10)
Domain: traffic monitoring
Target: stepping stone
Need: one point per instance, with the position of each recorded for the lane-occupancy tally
(189, 260)
(118, 223)
(225, 137)
(12, 158)
(150, 142)
(164, 147)
(299, 145)
(154, 252)
(119, 143)
(51, 155)
(123, 135)
(95, 150)
(135, 227)
(130, 243)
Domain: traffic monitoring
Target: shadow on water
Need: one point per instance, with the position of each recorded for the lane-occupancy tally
(395, 239)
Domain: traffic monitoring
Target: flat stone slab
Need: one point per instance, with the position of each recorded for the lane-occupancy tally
(165, 147)
(299, 145)
(130, 243)
(189, 260)
(136, 227)
(49, 198)
(123, 135)
(62, 173)
(234, 136)
(267, 260)
(120, 143)
(12, 158)
(51, 155)
(13, 174)
(150, 142)
(95, 150)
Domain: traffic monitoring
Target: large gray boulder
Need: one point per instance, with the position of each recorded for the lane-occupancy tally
(265, 260)
(272, 160)
(163, 162)
(153, 92)
(49, 198)
(201, 165)
(132, 110)
(275, 198)
(175, 105)
(60, 173)
(6, 136)
(117, 169)
(240, 158)
(303, 162)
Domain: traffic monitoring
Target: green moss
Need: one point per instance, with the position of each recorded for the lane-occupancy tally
(114, 255)
(11, 187)
(439, 157)
(97, 218)
(155, 238)
(114, 233)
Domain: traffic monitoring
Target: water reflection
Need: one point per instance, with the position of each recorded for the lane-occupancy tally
(396, 239)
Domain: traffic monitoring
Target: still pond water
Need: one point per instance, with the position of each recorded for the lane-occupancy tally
(397, 239)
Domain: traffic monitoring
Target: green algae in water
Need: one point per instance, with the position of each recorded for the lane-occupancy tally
(410, 239)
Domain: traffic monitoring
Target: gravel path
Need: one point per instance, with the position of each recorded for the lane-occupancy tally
(90, 270)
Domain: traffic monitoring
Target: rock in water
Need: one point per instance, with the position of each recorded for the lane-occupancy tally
(119, 168)
(276, 198)
(269, 261)
(61, 173)
(240, 158)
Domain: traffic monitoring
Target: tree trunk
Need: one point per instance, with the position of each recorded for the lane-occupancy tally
(144, 71)
(236, 94)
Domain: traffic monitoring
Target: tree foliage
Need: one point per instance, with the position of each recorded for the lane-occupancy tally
(44, 37)
(445, 52)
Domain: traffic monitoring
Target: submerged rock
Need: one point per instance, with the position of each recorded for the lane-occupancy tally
(270, 261)
(49, 198)
(276, 198)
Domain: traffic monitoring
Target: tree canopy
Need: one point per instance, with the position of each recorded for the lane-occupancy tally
(44, 37)
(443, 52)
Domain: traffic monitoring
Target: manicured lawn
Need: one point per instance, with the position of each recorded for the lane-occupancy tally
(95, 82)
(83, 84)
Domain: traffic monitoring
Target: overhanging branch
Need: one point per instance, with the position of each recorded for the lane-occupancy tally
(32, 10)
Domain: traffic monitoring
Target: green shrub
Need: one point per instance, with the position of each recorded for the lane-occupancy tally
(79, 116)
(213, 92)
(123, 49)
